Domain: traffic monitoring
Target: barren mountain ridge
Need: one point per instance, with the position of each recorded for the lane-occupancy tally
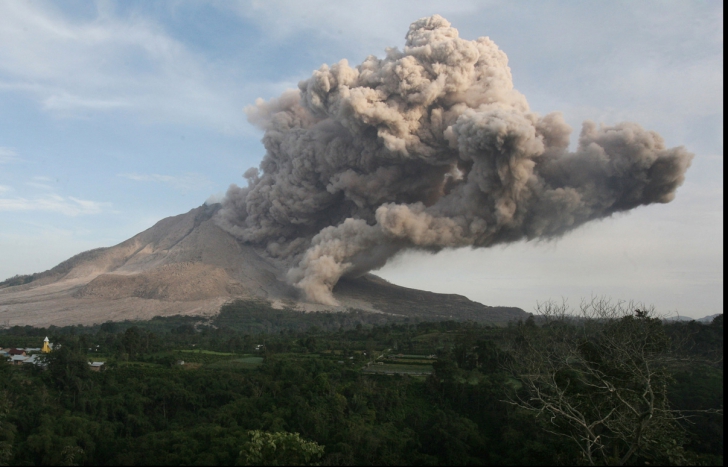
(187, 265)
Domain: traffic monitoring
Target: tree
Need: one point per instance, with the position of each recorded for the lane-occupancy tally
(6, 451)
(68, 366)
(600, 379)
(108, 327)
(281, 448)
(137, 341)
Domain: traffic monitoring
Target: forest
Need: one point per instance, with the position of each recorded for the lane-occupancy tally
(609, 385)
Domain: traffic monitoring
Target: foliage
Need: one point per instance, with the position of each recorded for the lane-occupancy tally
(279, 448)
(602, 381)
(308, 391)
(6, 434)
(68, 367)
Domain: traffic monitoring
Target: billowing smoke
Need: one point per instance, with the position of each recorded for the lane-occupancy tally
(429, 148)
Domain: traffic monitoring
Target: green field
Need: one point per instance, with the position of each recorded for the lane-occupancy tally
(411, 361)
(142, 364)
(208, 352)
(394, 368)
(246, 363)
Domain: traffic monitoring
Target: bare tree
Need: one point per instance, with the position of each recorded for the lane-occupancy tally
(600, 378)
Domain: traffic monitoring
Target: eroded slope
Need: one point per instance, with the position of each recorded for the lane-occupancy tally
(187, 265)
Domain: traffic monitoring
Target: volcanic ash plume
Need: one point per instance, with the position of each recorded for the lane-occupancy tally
(429, 148)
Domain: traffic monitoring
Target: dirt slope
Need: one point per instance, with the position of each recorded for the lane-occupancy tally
(187, 265)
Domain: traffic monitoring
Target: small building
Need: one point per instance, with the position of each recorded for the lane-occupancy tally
(17, 359)
(24, 359)
(46, 346)
(17, 352)
(96, 366)
(32, 360)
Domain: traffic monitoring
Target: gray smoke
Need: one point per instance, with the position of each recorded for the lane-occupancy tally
(429, 148)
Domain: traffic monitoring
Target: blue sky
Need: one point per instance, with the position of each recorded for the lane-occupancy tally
(114, 115)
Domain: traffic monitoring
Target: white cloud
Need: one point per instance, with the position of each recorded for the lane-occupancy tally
(8, 155)
(41, 182)
(357, 28)
(5, 188)
(66, 101)
(89, 207)
(69, 206)
(190, 181)
(110, 63)
(42, 186)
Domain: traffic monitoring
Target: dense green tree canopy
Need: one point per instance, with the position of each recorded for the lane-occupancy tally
(254, 388)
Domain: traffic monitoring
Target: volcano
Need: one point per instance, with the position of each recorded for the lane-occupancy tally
(187, 265)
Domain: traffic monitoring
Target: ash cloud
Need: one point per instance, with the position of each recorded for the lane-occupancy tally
(429, 148)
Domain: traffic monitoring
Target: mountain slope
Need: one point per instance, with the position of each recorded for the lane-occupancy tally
(187, 265)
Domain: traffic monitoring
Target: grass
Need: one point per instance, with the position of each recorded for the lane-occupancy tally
(143, 364)
(246, 363)
(296, 355)
(389, 368)
(255, 360)
(411, 361)
(207, 352)
(427, 337)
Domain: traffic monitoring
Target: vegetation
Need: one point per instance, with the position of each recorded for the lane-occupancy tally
(259, 386)
(279, 448)
(602, 381)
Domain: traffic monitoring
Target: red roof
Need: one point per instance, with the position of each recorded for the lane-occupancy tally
(16, 352)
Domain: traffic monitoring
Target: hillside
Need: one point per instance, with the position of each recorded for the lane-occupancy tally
(187, 265)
